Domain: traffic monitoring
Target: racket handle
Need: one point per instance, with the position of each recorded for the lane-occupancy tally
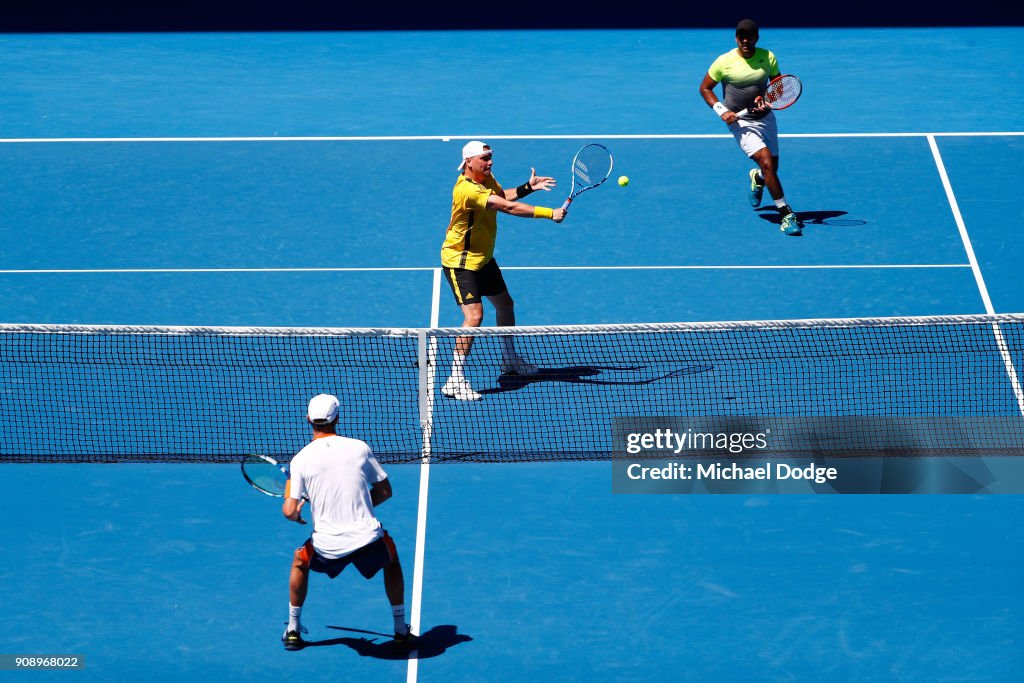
(743, 113)
(565, 207)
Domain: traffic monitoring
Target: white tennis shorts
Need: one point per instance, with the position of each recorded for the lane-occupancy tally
(754, 135)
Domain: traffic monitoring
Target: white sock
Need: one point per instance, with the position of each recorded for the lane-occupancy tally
(398, 612)
(458, 365)
(780, 202)
(294, 617)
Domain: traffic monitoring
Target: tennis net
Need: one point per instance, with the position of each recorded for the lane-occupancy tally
(170, 394)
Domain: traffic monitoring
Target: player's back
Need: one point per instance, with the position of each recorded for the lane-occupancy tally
(336, 473)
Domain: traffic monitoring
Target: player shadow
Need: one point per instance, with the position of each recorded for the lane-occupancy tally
(586, 375)
(433, 643)
(828, 218)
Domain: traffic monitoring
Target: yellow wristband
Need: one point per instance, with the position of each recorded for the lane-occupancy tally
(542, 212)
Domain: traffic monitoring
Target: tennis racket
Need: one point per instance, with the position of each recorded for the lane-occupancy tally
(265, 474)
(783, 91)
(590, 167)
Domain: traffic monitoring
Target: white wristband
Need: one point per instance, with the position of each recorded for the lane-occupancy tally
(719, 109)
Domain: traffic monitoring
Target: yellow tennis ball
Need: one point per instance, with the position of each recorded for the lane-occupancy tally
(623, 180)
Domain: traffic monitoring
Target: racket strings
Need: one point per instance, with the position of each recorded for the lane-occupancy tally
(591, 166)
(783, 92)
(264, 475)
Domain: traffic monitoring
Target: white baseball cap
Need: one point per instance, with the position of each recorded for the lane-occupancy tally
(474, 148)
(323, 408)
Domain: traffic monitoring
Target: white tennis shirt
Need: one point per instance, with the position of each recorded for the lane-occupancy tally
(336, 473)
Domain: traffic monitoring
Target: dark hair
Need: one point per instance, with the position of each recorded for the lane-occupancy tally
(324, 425)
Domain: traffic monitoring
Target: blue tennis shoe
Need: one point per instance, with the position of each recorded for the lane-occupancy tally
(791, 226)
(756, 191)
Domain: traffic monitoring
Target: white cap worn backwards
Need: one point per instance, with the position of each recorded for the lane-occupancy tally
(474, 148)
(323, 409)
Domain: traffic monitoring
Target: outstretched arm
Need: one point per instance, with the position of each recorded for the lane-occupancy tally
(536, 182)
(523, 210)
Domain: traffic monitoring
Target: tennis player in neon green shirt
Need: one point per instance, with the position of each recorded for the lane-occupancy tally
(744, 73)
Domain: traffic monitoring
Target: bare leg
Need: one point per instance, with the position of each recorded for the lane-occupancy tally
(769, 168)
(458, 385)
(394, 583)
(472, 316)
(394, 586)
(504, 309)
(505, 313)
(298, 581)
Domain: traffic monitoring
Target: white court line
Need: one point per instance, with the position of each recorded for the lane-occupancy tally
(837, 266)
(416, 605)
(448, 138)
(1004, 350)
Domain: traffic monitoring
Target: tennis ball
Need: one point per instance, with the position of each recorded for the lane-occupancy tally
(623, 180)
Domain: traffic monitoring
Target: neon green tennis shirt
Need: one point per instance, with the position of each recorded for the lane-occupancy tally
(743, 79)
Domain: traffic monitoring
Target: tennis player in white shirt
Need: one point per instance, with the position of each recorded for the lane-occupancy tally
(343, 482)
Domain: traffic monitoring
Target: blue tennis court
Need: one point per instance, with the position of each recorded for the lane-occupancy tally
(304, 180)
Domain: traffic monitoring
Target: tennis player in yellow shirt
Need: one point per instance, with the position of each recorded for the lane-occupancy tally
(744, 72)
(467, 257)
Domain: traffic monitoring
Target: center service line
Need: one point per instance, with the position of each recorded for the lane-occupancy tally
(427, 395)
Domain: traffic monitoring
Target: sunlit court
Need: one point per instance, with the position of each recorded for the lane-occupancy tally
(204, 230)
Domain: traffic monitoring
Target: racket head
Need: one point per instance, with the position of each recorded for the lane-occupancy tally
(591, 166)
(265, 474)
(783, 91)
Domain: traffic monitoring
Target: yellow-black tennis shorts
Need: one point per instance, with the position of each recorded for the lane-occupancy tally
(470, 286)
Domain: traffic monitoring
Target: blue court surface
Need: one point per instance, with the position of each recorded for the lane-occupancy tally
(305, 179)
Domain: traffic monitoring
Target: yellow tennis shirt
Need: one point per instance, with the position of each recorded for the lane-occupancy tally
(469, 242)
(743, 79)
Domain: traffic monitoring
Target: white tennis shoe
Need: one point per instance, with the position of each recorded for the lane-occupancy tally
(460, 389)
